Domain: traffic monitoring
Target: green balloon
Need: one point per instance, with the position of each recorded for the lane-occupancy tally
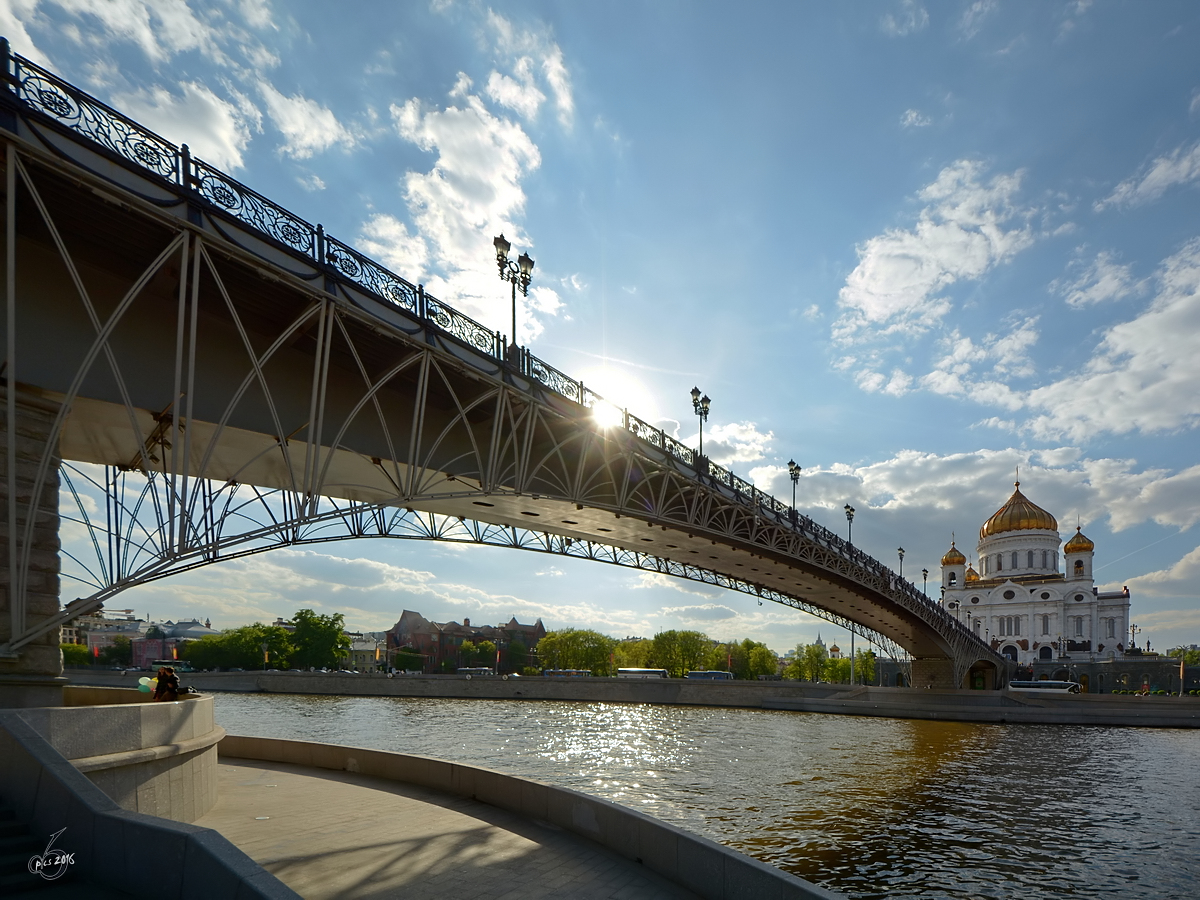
(144, 688)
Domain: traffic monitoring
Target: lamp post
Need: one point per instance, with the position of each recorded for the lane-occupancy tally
(925, 583)
(700, 408)
(849, 524)
(900, 552)
(520, 272)
(794, 475)
(1133, 631)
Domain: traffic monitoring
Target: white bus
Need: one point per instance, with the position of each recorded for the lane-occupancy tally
(642, 673)
(1056, 687)
(710, 675)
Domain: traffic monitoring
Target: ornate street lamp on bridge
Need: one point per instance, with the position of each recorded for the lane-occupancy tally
(520, 272)
(794, 475)
(849, 524)
(700, 407)
(900, 550)
(925, 582)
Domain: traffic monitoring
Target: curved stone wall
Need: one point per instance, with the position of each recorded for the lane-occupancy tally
(154, 758)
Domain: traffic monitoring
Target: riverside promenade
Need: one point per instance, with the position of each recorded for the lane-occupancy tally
(329, 834)
(996, 707)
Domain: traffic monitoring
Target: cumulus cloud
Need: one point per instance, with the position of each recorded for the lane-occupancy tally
(15, 15)
(733, 442)
(1143, 375)
(908, 18)
(971, 21)
(529, 51)
(708, 612)
(518, 93)
(1097, 282)
(473, 192)
(216, 130)
(1180, 166)
(900, 281)
(914, 119)
(306, 126)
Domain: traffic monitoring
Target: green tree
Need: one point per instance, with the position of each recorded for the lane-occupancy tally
(681, 651)
(577, 648)
(517, 657)
(635, 653)
(864, 667)
(486, 653)
(762, 661)
(466, 653)
(319, 640)
(75, 655)
(119, 653)
(808, 664)
(241, 648)
(408, 660)
(838, 670)
(1190, 657)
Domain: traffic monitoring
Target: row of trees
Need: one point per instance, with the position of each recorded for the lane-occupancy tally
(676, 651)
(812, 663)
(318, 641)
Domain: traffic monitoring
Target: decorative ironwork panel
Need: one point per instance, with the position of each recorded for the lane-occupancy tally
(94, 120)
(645, 431)
(254, 209)
(369, 274)
(680, 451)
(555, 380)
(466, 329)
(741, 485)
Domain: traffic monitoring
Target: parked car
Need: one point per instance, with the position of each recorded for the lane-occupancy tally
(237, 669)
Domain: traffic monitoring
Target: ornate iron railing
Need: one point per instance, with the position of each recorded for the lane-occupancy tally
(45, 93)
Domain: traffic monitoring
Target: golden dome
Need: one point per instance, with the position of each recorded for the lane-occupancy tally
(1079, 543)
(971, 575)
(1018, 514)
(953, 557)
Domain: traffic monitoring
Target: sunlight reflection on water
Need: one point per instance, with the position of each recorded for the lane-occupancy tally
(872, 807)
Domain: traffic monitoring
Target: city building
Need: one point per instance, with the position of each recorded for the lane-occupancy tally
(439, 642)
(1031, 598)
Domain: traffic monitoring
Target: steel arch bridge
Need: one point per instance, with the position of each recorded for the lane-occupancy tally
(225, 378)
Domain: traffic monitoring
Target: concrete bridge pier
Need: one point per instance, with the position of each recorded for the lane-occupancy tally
(31, 675)
(937, 674)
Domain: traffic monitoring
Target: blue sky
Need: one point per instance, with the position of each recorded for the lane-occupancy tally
(912, 245)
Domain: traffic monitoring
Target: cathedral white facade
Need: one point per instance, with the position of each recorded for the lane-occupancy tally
(1017, 598)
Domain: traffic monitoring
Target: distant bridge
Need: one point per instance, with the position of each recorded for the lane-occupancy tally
(226, 378)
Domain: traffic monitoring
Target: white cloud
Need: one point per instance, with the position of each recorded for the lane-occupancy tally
(386, 238)
(215, 130)
(910, 17)
(1180, 166)
(972, 18)
(472, 193)
(519, 94)
(1194, 106)
(1175, 580)
(914, 119)
(160, 28)
(526, 49)
(307, 127)
(898, 285)
(15, 15)
(1145, 372)
(708, 612)
(311, 182)
(1102, 280)
(733, 442)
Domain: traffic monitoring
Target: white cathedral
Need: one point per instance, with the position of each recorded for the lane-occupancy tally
(1016, 598)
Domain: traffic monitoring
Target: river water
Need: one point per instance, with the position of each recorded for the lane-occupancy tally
(875, 808)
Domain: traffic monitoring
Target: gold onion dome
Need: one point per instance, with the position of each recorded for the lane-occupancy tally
(971, 575)
(953, 557)
(1018, 514)
(1079, 543)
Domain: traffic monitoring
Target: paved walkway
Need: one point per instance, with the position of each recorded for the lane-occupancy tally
(337, 834)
